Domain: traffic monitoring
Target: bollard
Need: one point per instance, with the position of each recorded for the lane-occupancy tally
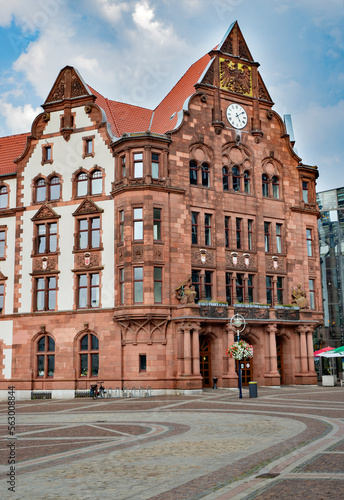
(253, 389)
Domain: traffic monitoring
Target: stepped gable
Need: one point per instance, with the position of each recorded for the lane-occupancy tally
(11, 147)
(68, 85)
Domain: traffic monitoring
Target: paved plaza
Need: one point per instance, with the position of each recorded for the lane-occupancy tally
(287, 444)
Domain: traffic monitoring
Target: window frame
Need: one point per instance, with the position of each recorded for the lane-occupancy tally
(193, 173)
(227, 231)
(279, 239)
(121, 282)
(45, 293)
(156, 164)
(88, 287)
(47, 153)
(240, 285)
(250, 234)
(140, 281)
(267, 237)
(2, 295)
(311, 285)
(3, 246)
(238, 232)
(247, 182)
(138, 226)
(157, 223)
(207, 230)
(48, 235)
(269, 286)
(121, 225)
(280, 290)
(309, 239)
(275, 187)
(208, 284)
(236, 179)
(136, 162)
(305, 191)
(265, 186)
(229, 287)
(88, 151)
(194, 228)
(89, 231)
(156, 281)
(46, 355)
(205, 174)
(89, 352)
(4, 195)
(196, 284)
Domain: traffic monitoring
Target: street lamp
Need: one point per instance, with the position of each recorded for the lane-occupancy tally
(238, 324)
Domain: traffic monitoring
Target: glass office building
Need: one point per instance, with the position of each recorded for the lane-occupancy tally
(331, 230)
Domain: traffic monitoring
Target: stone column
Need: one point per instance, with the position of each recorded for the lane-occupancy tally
(231, 362)
(180, 352)
(147, 161)
(272, 330)
(310, 350)
(187, 351)
(195, 350)
(303, 349)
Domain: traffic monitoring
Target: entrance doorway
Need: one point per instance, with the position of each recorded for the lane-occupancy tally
(246, 370)
(279, 348)
(205, 360)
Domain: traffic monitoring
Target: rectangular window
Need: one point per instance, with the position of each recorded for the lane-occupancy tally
(88, 146)
(89, 233)
(121, 286)
(238, 232)
(196, 282)
(305, 191)
(157, 284)
(123, 165)
(267, 236)
(250, 287)
(208, 285)
(229, 288)
(121, 226)
(138, 165)
(47, 237)
(155, 166)
(250, 234)
(240, 288)
(207, 230)
(312, 294)
(309, 242)
(138, 285)
(2, 244)
(142, 362)
(194, 228)
(227, 232)
(279, 238)
(138, 223)
(269, 290)
(45, 289)
(88, 290)
(157, 224)
(46, 154)
(2, 297)
(279, 290)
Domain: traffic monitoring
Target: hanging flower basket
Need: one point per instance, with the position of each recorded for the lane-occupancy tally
(240, 350)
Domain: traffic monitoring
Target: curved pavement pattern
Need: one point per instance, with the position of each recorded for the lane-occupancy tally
(286, 444)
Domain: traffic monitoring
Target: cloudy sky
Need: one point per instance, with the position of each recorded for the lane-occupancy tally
(136, 50)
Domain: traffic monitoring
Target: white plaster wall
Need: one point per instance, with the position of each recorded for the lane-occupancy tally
(7, 266)
(107, 290)
(12, 183)
(67, 156)
(65, 297)
(6, 334)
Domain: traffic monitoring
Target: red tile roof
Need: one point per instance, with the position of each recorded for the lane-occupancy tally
(123, 117)
(11, 147)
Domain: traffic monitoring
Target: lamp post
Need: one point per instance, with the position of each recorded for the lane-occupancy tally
(238, 324)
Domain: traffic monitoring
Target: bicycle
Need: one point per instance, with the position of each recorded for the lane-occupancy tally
(97, 393)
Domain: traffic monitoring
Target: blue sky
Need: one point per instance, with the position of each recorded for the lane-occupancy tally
(136, 50)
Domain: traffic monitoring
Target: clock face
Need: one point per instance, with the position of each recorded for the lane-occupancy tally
(236, 116)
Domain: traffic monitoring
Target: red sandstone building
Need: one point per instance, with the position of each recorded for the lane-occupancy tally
(130, 237)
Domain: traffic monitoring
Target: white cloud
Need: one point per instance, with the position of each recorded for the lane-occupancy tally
(19, 119)
(111, 10)
(143, 17)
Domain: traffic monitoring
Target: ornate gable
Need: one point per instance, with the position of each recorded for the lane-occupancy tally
(68, 85)
(262, 90)
(45, 212)
(87, 207)
(233, 43)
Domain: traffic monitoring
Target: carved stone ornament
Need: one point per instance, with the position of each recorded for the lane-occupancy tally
(87, 260)
(47, 264)
(45, 212)
(209, 76)
(186, 292)
(196, 258)
(120, 253)
(239, 261)
(143, 330)
(275, 264)
(137, 252)
(87, 207)
(311, 266)
(158, 253)
(299, 297)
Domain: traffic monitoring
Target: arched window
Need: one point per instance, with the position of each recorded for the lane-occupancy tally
(3, 197)
(205, 175)
(225, 178)
(236, 178)
(193, 172)
(275, 187)
(247, 183)
(45, 354)
(54, 188)
(265, 185)
(41, 190)
(89, 355)
(81, 184)
(96, 182)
